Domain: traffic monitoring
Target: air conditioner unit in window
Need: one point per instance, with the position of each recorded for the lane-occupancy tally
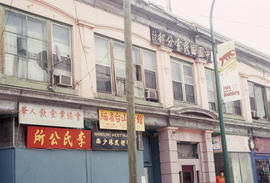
(151, 94)
(254, 115)
(62, 80)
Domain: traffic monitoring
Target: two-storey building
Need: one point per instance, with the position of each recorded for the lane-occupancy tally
(70, 55)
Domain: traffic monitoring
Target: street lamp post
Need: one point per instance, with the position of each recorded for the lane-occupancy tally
(220, 112)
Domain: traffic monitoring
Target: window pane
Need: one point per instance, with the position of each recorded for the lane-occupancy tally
(120, 69)
(149, 60)
(15, 44)
(119, 51)
(176, 72)
(15, 23)
(37, 60)
(260, 101)
(185, 150)
(136, 56)
(268, 97)
(237, 107)
(190, 93)
(61, 50)
(137, 73)
(228, 107)
(177, 91)
(188, 76)
(36, 29)
(150, 79)
(120, 86)
(138, 89)
(102, 51)
(103, 78)
(210, 85)
(250, 89)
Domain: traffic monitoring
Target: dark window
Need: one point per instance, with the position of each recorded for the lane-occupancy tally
(177, 91)
(187, 150)
(103, 78)
(150, 79)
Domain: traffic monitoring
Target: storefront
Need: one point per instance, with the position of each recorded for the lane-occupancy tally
(48, 142)
(186, 155)
(261, 160)
(239, 158)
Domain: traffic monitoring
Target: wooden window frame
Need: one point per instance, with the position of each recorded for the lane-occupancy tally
(111, 43)
(49, 42)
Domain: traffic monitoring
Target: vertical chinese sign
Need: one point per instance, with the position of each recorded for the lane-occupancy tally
(228, 72)
(116, 120)
(50, 116)
(58, 138)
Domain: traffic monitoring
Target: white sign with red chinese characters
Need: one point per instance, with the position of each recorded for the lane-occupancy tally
(44, 115)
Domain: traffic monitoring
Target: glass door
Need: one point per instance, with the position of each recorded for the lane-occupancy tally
(263, 171)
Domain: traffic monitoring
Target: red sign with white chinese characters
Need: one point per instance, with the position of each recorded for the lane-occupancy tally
(58, 138)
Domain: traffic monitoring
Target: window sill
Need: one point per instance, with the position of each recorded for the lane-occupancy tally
(123, 99)
(260, 121)
(37, 85)
(232, 116)
(182, 103)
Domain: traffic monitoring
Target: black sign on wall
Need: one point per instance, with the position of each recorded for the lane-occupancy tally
(179, 45)
(107, 140)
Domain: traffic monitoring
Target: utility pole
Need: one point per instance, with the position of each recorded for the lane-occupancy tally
(132, 148)
(220, 112)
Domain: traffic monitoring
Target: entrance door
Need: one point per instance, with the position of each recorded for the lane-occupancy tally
(188, 174)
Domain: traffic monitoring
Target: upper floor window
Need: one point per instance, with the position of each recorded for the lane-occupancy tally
(228, 107)
(26, 47)
(111, 69)
(259, 100)
(211, 91)
(182, 81)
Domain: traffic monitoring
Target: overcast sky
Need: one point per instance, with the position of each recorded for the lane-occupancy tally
(246, 21)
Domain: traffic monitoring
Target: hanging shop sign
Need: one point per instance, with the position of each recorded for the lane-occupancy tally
(50, 116)
(228, 72)
(216, 142)
(107, 140)
(58, 138)
(184, 47)
(116, 120)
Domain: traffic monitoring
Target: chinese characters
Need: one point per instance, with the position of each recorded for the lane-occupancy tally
(58, 138)
(179, 45)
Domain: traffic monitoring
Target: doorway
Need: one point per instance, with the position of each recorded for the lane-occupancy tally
(188, 174)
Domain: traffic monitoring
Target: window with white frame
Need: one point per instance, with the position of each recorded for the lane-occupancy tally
(27, 46)
(182, 81)
(211, 91)
(111, 54)
(259, 100)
